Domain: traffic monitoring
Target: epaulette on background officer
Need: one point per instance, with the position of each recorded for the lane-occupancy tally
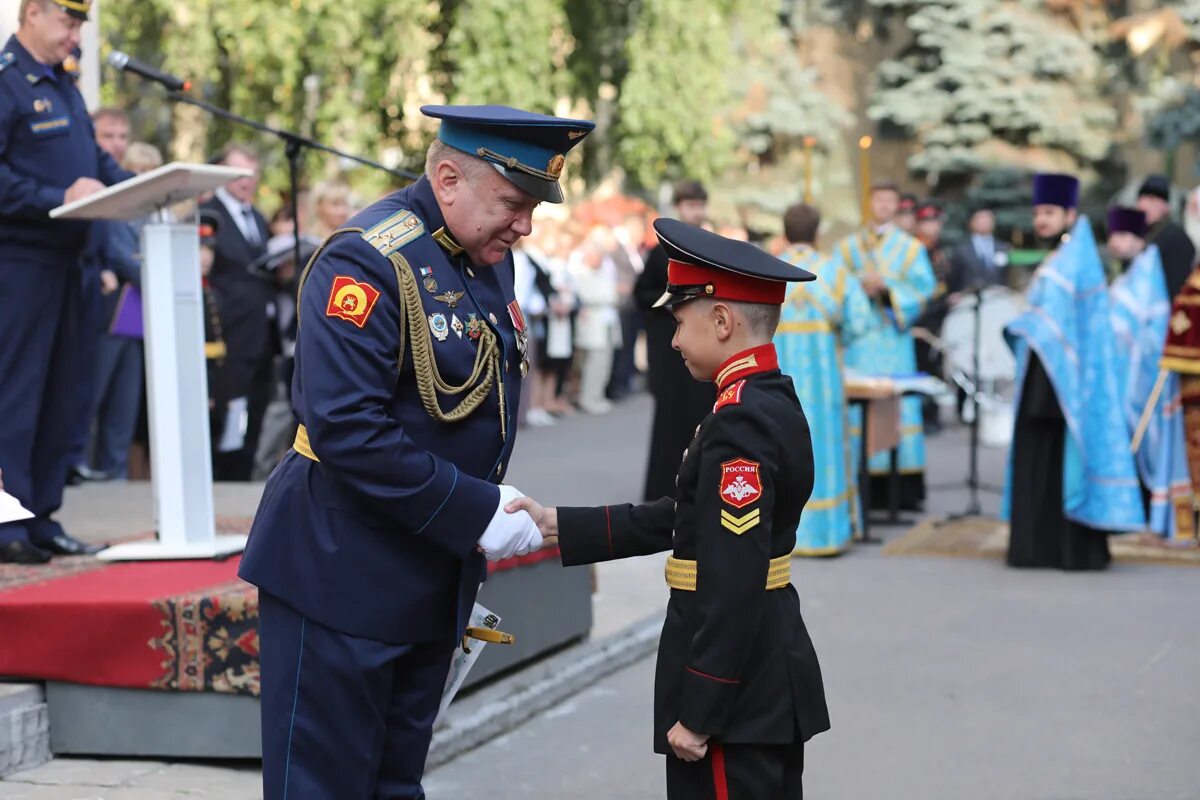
(737, 688)
(409, 357)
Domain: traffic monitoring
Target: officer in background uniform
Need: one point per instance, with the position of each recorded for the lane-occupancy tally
(48, 157)
(737, 688)
(368, 547)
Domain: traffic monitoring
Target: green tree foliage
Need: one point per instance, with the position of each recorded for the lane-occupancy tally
(513, 55)
(350, 75)
(675, 99)
(994, 83)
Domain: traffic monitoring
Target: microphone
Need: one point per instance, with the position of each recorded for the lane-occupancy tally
(127, 63)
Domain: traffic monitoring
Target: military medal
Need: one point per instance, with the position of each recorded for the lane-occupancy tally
(449, 297)
(428, 280)
(437, 324)
(474, 327)
(522, 331)
(456, 325)
(40, 105)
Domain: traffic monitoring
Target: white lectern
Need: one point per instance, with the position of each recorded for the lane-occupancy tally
(173, 311)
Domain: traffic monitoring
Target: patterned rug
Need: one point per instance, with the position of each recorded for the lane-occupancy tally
(976, 537)
(183, 626)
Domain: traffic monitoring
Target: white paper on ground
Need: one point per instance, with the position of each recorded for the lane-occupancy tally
(11, 509)
(461, 663)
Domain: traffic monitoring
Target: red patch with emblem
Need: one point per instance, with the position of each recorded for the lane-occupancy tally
(740, 484)
(351, 300)
(731, 396)
(518, 319)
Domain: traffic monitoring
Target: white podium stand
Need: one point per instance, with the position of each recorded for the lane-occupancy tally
(173, 310)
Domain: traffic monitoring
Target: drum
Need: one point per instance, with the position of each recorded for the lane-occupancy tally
(998, 306)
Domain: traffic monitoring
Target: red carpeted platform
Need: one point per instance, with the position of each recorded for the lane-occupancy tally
(174, 625)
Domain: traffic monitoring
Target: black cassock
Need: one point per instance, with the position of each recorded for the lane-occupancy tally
(680, 401)
(1177, 252)
(1040, 535)
(735, 660)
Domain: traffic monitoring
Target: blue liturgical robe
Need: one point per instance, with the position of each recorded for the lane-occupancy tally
(816, 320)
(887, 348)
(1068, 327)
(1141, 310)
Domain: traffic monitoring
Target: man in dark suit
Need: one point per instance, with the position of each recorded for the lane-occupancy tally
(980, 260)
(1174, 245)
(246, 306)
(680, 403)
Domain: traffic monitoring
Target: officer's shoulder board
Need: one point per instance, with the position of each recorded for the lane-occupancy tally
(394, 232)
(6, 60)
(731, 396)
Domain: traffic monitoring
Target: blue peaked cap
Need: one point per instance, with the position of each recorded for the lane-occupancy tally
(526, 148)
(1055, 189)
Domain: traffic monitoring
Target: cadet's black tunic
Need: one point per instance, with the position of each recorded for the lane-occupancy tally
(735, 660)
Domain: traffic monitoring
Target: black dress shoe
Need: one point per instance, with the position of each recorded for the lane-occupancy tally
(63, 545)
(22, 552)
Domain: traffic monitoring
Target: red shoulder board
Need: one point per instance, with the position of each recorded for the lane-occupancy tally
(351, 300)
(730, 397)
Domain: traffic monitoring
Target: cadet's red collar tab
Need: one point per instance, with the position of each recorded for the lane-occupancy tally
(746, 363)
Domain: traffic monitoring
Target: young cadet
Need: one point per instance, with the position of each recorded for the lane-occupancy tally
(738, 689)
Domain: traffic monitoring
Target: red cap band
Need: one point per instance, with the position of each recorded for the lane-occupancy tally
(726, 285)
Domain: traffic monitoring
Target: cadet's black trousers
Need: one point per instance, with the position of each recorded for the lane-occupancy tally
(739, 772)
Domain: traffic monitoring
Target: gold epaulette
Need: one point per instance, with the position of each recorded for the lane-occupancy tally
(681, 573)
(394, 232)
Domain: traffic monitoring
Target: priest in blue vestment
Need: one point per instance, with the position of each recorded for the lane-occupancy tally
(1071, 479)
(1141, 309)
(895, 273)
(817, 318)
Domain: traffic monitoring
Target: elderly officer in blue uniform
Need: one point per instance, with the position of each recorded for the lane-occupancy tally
(369, 545)
(48, 157)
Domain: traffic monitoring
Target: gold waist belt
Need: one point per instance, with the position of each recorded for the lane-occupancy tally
(302, 446)
(681, 574)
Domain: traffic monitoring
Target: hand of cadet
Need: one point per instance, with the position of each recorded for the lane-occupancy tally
(109, 282)
(82, 188)
(545, 518)
(509, 535)
(688, 746)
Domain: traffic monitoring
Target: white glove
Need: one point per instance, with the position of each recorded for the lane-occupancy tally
(509, 535)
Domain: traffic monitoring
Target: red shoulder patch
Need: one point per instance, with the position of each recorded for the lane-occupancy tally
(351, 300)
(731, 396)
(740, 483)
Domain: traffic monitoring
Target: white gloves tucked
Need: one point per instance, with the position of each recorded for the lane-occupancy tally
(509, 535)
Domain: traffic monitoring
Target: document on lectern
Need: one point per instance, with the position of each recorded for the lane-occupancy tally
(11, 509)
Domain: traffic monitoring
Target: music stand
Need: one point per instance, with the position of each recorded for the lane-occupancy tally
(177, 392)
(973, 509)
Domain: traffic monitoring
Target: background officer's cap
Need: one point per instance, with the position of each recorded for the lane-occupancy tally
(527, 148)
(1055, 189)
(76, 8)
(704, 264)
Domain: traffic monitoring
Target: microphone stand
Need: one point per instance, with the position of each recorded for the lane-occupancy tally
(973, 508)
(294, 146)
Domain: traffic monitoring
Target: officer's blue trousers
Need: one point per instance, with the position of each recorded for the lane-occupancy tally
(343, 717)
(39, 343)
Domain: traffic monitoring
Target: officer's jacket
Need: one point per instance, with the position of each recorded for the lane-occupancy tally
(408, 372)
(47, 142)
(735, 660)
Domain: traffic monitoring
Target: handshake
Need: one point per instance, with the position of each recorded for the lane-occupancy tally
(519, 527)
